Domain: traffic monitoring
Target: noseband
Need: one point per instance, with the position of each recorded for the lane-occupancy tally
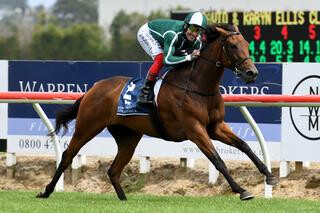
(234, 65)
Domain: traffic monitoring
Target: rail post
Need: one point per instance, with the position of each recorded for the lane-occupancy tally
(54, 138)
(262, 142)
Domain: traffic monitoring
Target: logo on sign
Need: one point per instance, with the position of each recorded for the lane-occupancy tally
(35, 86)
(306, 119)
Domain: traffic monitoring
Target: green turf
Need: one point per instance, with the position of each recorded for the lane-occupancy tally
(14, 201)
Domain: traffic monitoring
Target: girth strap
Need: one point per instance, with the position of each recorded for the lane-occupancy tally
(157, 122)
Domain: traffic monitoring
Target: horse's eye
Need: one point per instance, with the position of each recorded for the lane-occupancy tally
(234, 46)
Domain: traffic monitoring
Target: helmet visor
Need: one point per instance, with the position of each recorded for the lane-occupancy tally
(195, 29)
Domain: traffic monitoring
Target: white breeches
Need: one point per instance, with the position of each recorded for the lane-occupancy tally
(148, 43)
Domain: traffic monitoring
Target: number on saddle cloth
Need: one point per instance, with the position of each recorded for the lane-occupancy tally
(127, 103)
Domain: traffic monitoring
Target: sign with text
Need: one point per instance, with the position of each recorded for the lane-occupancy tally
(274, 36)
(27, 133)
(301, 125)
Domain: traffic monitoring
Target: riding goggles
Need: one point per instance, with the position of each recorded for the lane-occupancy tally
(195, 29)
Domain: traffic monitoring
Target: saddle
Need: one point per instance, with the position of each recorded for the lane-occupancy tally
(127, 104)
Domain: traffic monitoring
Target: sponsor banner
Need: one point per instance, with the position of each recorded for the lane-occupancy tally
(68, 76)
(147, 147)
(28, 136)
(65, 76)
(60, 76)
(40, 144)
(35, 126)
(301, 125)
(187, 149)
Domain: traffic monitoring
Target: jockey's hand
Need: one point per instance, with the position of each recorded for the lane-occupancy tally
(193, 55)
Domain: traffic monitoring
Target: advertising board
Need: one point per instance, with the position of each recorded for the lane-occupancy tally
(301, 125)
(27, 134)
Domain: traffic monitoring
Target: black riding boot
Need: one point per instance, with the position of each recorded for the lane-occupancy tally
(146, 95)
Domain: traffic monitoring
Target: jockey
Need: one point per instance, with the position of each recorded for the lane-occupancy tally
(161, 38)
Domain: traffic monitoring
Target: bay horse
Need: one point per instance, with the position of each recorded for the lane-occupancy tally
(190, 107)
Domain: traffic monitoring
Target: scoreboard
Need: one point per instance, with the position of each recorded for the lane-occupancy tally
(274, 36)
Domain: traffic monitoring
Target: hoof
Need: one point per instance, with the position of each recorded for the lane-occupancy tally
(273, 181)
(122, 198)
(246, 195)
(41, 195)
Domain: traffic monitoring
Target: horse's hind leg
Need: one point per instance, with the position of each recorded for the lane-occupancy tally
(224, 134)
(127, 140)
(86, 129)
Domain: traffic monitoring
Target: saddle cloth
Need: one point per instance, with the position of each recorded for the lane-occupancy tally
(127, 104)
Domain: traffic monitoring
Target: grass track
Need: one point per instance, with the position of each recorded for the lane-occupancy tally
(14, 201)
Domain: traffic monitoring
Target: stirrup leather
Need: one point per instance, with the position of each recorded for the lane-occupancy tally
(145, 96)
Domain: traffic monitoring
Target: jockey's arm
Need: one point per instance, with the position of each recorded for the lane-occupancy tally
(169, 50)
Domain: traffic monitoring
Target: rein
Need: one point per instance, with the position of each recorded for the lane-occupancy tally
(186, 89)
(189, 90)
(218, 64)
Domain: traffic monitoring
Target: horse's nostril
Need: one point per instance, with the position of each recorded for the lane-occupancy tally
(250, 73)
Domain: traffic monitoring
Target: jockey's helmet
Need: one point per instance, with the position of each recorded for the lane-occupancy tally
(196, 18)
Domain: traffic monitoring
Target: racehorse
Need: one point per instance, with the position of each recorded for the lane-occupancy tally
(190, 107)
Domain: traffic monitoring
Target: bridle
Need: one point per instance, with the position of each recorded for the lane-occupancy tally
(234, 65)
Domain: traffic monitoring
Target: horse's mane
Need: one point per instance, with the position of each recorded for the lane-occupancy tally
(212, 33)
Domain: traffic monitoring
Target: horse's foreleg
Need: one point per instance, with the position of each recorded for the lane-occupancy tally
(127, 140)
(200, 137)
(224, 134)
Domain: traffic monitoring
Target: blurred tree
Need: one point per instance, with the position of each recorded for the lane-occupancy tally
(46, 42)
(15, 30)
(123, 38)
(84, 42)
(155, 14)
(70, 35)
(14, 4)
(123, 29)
(69, 12)
(79, 42)
(9, 47)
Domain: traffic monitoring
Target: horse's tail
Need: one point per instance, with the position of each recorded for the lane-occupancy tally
(64, 116)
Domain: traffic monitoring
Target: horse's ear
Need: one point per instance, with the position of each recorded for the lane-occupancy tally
(211, 33)
(236, 28)
(222, 31)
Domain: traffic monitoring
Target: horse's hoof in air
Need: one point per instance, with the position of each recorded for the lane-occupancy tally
(273, 181)
(41, 195)
(246, 195)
